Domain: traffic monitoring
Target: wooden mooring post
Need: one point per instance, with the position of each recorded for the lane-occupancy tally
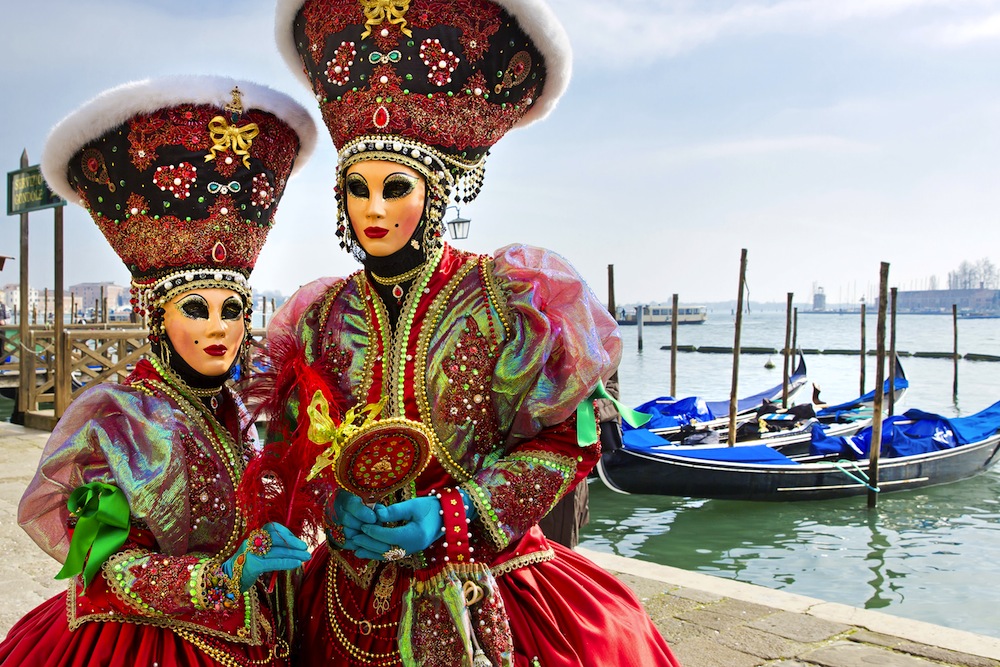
(954, 326)
(795, 330)
(863, 349)
(736, 350)
(673, 347)
(788, 351)
(26, 366)
(876, 442)
(612, 306)
(638, 324)
(892, 351)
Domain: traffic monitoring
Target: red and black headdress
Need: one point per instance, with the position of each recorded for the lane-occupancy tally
(426, 83)
(182, 175)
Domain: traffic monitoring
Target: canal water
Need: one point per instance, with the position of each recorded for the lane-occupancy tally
(931, 555)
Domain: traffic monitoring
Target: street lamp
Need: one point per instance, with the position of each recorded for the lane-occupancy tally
(458, 226)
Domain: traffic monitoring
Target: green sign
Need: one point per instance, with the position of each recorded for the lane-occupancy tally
(27, 191)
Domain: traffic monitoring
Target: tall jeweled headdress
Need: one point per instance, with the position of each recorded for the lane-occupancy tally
(182, 175)
(425, 83)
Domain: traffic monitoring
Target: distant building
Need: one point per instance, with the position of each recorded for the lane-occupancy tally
(819, 299)
(12, 297)
(86, 295)
(968, 301)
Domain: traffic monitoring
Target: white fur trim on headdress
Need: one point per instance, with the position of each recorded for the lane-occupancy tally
(117, 105)
(535, 17)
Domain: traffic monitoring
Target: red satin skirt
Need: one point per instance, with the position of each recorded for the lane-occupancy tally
(566, 612)
(42, 638)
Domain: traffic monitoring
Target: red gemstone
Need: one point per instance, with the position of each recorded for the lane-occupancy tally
(219, 252)
(381, 118)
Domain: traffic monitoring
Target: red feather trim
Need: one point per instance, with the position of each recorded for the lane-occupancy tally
(274, 486)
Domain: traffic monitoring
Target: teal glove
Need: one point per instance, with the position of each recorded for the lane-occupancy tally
(421, 527)
(345, 517)
(270, 549)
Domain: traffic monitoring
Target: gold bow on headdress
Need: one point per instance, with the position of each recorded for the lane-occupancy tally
(228, 137)
(393, 11)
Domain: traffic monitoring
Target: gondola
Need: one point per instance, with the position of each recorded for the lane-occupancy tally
(670, 416)
(918, 449)
(785, 428)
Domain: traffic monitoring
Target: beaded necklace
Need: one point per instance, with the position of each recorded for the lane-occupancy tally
(335, 626)
(219, 438)
(397, 340)
(395, 281)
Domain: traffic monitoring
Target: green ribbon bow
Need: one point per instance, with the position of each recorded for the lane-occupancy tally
(101, 529)
(586, 420)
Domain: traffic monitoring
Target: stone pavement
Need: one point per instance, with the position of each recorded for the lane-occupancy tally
(708, 621)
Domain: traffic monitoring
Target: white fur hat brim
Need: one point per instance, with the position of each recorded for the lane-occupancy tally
(115, 106)
(535, 17)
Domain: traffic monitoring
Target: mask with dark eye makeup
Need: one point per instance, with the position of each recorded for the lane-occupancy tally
(232, 309)
(397, 186)
(357, 186)
(194, 307)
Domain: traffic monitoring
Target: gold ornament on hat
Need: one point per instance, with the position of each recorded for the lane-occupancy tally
(227, 137)
(378, 11)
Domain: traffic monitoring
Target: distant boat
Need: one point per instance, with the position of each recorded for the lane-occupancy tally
(660, 315)
(918, 449)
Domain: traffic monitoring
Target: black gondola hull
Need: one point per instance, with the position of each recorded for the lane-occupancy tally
(632, 472)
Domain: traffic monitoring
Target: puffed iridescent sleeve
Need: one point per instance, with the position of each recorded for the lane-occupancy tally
(288, 317)
(130, 440)
(563, 340)
(116, 436)
(563, 343)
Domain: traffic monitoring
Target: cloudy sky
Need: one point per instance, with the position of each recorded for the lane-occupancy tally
(824, 136)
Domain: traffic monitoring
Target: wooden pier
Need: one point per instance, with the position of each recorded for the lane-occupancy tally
(86, 353)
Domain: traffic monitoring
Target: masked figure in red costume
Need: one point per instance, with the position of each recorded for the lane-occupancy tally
(490, 356)
(135, 489)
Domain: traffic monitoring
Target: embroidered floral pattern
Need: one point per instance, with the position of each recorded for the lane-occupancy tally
(477, 21)
(262, 194)
(473, 121)
(326, 18)
(184, 125)
(157, 583)
(208, 504)
(469, 369)
(338, 70)
(441, 62)
(176, 179)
